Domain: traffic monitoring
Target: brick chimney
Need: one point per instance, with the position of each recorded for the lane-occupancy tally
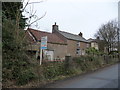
(54, 28)
(98, 38)
(80, 34)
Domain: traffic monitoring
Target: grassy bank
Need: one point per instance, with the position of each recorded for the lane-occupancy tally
(49, 72)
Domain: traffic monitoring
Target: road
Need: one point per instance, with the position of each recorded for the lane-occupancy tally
(103, 78)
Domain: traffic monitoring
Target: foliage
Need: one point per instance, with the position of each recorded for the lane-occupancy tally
(86, 63)
(25, 76)
(15, 60)
(52, 70)
(13, 11)
(16, 63)
(92, 51)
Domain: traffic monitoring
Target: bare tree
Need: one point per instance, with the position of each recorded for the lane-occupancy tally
(30, 14)
(32, 18)
(108, 34)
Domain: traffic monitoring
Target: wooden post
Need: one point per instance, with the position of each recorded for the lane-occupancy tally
(67, 62)
(40, 56)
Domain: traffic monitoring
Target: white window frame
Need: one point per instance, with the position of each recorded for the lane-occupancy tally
(78, 51)
(78, 44)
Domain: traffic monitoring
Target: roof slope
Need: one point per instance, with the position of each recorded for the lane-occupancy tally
(92, 40)
(52, 38)
(72, 36)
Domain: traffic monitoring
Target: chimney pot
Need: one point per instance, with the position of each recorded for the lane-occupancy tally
(98, 38)
(80, 34)
(55, 23)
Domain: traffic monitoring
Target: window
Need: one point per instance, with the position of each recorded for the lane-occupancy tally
(78, 51)
(88, 45)
(78, 44)
(83, 52)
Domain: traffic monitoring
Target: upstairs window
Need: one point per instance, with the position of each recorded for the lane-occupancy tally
(78, 51)
(88, 45)
(78, 44)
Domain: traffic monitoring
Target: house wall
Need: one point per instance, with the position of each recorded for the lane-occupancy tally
(72, 48)
(33, 47)
(60, 50)
(95, 45)
(83, 47)
(59, 35)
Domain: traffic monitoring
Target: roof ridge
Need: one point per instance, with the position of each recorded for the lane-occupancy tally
(69, 33)
(53, 38)
(72, 34)
(39, 30)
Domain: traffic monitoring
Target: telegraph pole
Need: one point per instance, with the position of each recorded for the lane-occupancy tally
(118, 30)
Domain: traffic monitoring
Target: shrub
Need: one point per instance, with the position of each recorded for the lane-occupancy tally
(15, 59)
(53, 70)
(92, 51)
(25, 76)
(86, 63)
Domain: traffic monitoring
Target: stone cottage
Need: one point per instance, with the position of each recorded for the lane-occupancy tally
(93, 43)
(60, 43)
(76, 44)
(56, 47)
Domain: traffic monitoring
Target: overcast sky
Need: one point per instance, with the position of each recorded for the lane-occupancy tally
(74, 16)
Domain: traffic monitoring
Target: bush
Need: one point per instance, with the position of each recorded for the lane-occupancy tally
(86, 63)
(25, 76)
(53, 70)
(15, 59)
(92, 51)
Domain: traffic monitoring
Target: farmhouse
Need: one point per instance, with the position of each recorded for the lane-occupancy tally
(59, 44)
(56, 47)
(94, 43)
(76, 44)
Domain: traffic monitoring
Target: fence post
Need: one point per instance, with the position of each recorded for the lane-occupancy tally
(67, 62)
(106, 59)
(119, 56)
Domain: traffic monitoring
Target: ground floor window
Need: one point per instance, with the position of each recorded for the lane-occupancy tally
(78, 51)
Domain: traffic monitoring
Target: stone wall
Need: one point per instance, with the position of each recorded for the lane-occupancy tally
(72, 48)
(60, 50)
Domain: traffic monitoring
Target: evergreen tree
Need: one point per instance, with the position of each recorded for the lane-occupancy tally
(12, 10)
(15, 64)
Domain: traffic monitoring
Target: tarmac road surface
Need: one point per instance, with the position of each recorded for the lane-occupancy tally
(103, 78)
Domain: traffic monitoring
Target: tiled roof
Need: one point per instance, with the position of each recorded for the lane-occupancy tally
(72, 36)
(52, 38)
(92, 40)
